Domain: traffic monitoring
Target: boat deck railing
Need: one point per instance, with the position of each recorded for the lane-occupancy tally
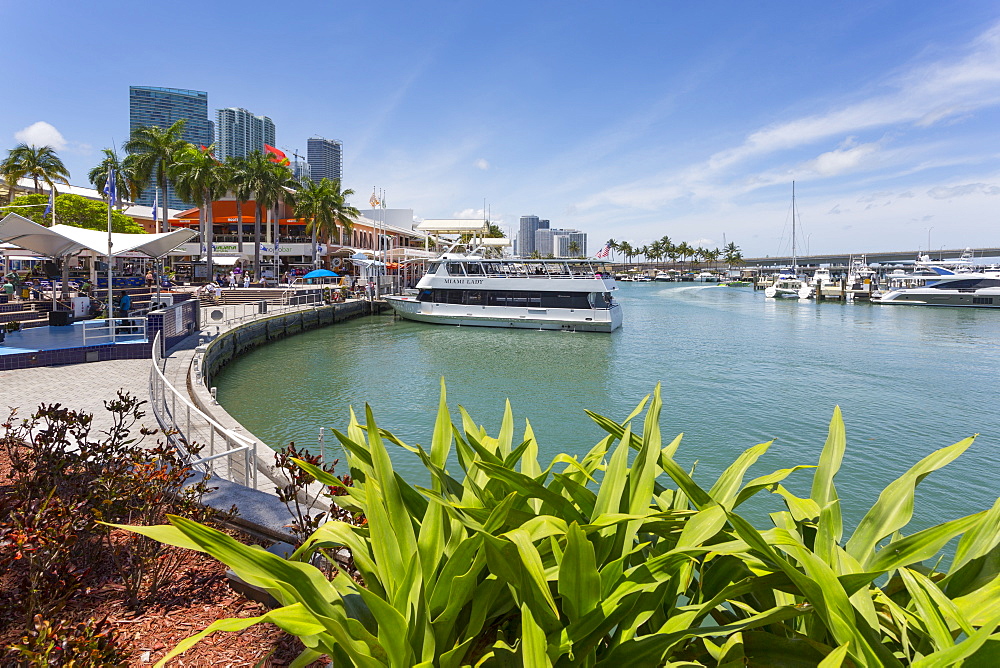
(526, 274)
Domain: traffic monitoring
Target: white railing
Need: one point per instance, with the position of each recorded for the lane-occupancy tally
(106, 331)
(226, 314)
(224, 453)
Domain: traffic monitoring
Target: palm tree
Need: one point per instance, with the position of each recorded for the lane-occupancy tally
(574, 248)
(732, 254)
(344, 214)
(152, 150)
(40, 163)
(125, 180)
(612, 246)
(684, 249)
(234, 175)
(626, 250)
(269, 184)
(314, 202)
(199, 179)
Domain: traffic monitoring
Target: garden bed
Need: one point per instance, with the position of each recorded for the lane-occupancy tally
(193, 594)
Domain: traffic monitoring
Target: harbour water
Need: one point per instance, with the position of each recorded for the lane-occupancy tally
(736, 369)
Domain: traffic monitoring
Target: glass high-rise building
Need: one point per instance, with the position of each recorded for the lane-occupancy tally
(239, 132)
(526, 234)
(162, 107)
(326, 158)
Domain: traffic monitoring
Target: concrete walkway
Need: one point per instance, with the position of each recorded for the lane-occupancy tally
(76, 386)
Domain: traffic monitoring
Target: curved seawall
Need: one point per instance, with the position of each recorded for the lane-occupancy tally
(234, 342)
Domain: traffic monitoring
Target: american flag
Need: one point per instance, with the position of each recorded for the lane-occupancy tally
(604, 251)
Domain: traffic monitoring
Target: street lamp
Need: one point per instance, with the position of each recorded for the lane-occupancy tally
(929, 239)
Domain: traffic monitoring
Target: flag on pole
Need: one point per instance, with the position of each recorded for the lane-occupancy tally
(156, 200)
(374, 200)
(52, 203)
(604, 251)
(276, 155)
(110, 191)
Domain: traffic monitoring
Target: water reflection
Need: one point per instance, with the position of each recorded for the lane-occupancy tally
(737, 369)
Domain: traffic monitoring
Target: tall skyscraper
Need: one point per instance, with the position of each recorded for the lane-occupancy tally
(325, 157)
(300, 170)
(526, 235)
(162, 107)
(238, 132)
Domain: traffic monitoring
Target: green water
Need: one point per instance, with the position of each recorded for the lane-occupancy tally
(736, 369)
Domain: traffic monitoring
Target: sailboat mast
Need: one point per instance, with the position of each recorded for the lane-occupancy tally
(795, 264)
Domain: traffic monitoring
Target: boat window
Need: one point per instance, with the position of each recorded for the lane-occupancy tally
(455, 269)
(498, 298)
(967, 284)
(425, 295)
(473, 268)
(565, 300)
(474, 298)
(433, 267)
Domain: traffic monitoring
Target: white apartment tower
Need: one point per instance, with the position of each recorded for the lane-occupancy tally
(238, 133)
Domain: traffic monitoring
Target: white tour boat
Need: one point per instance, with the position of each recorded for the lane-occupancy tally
(948, 288)
(460, 289)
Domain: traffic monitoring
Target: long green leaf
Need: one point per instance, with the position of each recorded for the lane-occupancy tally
(894, 507)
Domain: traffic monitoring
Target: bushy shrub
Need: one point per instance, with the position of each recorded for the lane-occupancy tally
(88, 644)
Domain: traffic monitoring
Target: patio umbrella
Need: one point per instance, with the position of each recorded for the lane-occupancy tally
(321, 273)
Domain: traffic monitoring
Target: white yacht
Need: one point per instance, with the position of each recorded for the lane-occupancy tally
(460, 289)
(948, 288)
(788, 285)
(823, 279)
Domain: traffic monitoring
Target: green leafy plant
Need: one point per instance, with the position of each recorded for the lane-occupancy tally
(617, 557)
(12, 326)
(88, 644)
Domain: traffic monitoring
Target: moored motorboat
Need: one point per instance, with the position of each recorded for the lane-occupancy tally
(946, 288)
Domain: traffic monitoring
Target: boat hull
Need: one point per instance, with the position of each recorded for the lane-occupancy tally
(929, 297)
(574, 320)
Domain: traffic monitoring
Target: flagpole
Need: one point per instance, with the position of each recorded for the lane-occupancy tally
(158, 262)
(111, 312)
(110, 190)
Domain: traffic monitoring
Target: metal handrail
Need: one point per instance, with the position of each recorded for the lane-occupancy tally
(115, 329)
(177, 415)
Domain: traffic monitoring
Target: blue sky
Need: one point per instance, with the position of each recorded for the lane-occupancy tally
(630, 120)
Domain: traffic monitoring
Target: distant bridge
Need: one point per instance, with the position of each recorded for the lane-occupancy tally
(894, 257)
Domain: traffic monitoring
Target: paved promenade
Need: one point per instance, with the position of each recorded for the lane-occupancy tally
(76, 386)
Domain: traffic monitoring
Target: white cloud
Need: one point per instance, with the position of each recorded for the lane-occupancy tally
(942, 192)
(469, 214)
(482, 164)
(40, 134)
(948, 90)
(842, 160)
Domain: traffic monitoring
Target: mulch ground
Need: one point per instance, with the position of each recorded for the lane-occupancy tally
(197, 596)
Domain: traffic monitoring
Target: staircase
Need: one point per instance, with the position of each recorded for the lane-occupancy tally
(248, 296)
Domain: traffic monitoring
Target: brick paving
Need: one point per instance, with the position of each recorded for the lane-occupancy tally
(76, 386)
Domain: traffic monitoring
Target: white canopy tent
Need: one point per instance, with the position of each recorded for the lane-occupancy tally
(64, 240)
(61, 240)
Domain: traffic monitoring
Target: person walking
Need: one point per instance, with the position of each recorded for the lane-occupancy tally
(246, 279)
(8, 289)
(149, 278)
